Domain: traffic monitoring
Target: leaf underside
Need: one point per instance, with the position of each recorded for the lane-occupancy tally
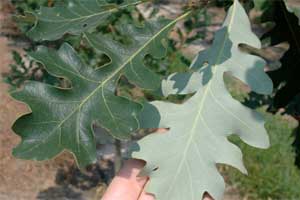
(62, 118)
(74, 18)
(185, 157)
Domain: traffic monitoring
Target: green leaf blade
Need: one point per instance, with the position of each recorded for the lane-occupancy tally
(91, 97)
(225, 52)
(74, 18)
(183, 163)
(148, 39)
(74, 110)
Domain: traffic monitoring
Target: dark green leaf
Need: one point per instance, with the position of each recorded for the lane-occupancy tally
(74, 18)
(62, 118)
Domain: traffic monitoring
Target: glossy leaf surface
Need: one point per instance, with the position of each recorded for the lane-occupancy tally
(75, 17)
(62, 118)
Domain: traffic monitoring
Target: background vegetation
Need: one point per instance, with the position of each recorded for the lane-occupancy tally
(272, 173)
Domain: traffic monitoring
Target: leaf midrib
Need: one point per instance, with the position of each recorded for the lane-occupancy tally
(108, 79)
(201, 104)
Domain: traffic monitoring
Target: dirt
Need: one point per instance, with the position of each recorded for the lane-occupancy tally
(19, 179)
(57, 178)
(16, 175)
(28, 180)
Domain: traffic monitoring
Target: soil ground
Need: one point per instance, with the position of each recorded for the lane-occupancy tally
(17, 175)
(54, 179)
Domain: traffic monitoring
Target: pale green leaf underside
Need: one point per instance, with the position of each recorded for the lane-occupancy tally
(225, 52)
(186, 156)
(62, 118)
(74, 18)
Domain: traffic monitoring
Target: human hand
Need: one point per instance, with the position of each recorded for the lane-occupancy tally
(127, 185)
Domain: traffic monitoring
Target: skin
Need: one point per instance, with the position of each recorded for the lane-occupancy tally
(127, 185)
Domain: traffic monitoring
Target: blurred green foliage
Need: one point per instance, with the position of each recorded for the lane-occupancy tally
(272, 173)
(23, 70)
(174, 60)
